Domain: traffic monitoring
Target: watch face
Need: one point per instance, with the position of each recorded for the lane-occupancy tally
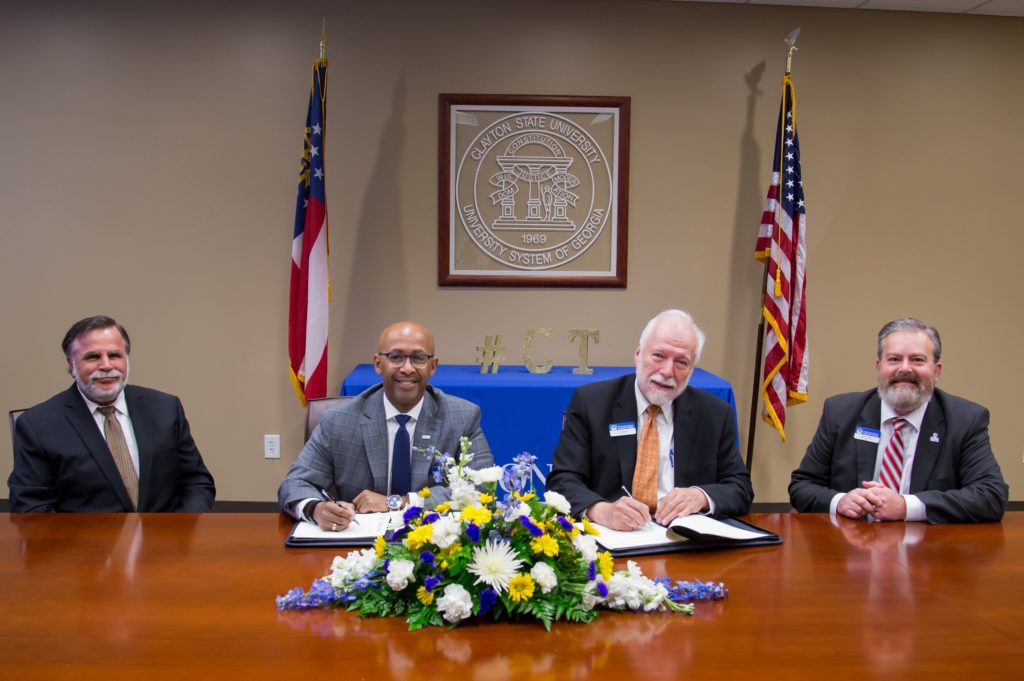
(394, 502)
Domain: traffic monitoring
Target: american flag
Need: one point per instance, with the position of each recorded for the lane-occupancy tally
(781, 239)
(310, 285)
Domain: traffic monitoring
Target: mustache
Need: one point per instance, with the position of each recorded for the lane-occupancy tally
(905, 378)
(113, 373)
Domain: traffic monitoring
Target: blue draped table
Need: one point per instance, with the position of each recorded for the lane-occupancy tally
(523, 411)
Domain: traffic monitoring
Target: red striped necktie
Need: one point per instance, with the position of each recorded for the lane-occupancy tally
(891, 472)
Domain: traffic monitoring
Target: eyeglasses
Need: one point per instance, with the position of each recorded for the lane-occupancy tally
(397, 359)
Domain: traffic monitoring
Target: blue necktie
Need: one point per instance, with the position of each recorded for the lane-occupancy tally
(401, 467)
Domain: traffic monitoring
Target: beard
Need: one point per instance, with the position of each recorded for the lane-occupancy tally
(659, 395)
(905, 397)
(94, 392)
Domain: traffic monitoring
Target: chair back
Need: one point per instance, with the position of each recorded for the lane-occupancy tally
(315, 408)
(13, 416)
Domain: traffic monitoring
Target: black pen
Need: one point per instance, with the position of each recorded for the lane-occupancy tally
(328, 497)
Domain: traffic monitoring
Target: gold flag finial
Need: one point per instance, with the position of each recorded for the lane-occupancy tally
(323, 39)
(791, 41)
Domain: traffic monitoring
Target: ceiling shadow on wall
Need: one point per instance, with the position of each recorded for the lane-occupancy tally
(376, 293)
(745, 279)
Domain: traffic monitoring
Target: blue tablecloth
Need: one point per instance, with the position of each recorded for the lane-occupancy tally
(523, 411)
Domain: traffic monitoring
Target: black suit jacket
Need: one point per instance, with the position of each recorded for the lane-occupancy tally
(955, 473)
(590, 465)
(62, 463)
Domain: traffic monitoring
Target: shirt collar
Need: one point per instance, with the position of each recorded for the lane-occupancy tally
(391, 411)
(914, 418)
(642, 404)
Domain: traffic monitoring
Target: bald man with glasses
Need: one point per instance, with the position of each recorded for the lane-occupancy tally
(368, 453)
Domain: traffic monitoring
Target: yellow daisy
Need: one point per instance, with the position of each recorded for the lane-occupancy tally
(418, 537)
(378, 545)
(545, 544)
(605, 565)
(425, 597)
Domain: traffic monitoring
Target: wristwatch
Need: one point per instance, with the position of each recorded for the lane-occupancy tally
(394, 502)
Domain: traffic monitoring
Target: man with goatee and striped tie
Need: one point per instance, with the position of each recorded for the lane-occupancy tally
(903, 451)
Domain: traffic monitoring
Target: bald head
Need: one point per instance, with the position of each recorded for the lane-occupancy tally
(412, 345)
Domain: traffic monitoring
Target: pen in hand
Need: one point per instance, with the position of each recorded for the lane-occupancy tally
(634, 499)
(328, 497)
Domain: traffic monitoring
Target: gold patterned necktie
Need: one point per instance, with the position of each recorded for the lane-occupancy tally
(119, 450)
(645, 475)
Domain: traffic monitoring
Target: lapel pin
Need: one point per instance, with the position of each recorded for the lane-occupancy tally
(934, 437)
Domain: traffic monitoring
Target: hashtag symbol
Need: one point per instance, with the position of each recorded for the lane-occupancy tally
(490, 354)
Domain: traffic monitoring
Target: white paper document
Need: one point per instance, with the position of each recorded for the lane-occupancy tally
(366, 526)
(701, 527)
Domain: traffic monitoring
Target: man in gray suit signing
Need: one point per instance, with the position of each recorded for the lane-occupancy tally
(369, 452)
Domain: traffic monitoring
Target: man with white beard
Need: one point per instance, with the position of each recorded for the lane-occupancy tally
(103, 445)
(903, 451)
(646, 445)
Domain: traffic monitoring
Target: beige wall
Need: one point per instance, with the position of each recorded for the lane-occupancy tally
(148, 156)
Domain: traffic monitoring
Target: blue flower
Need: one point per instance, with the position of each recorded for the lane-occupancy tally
(592, 571)
(411, 513)
(534, 530)
(428, 558)
(564, 522)
(431, 518)
(473, 532)
(495, 535)
(487, 598)
(431, 582)
(362, 584)
(602, 589)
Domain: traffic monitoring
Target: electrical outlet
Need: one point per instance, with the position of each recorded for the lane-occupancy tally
(271, 446)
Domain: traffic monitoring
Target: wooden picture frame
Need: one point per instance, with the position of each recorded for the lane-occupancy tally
(533, 190)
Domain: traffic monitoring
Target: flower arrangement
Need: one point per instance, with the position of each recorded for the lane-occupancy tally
(477, 556)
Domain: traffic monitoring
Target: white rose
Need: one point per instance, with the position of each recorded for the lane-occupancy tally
(485, 475)
(586, 545)
(544, 575)
(446, 531)
(400, 574)
(557, 502)
(455, 604)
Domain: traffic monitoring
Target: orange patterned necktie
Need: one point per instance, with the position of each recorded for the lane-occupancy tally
(645, 475)
(122, 455)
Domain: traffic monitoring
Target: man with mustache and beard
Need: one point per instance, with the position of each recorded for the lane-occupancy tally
(645, 445)
(369, 452)
(103, 445)
(903, 451)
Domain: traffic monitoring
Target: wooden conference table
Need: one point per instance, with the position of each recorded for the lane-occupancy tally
(192, 596)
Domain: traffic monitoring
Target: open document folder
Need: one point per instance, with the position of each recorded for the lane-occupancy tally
(690, 533)
(361, 531)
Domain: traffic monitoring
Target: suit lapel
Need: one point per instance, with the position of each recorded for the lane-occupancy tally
(684, 439)
(624, 411)
(867, 452)
(142, 428)
(428, 429)
(374, 430)
(929, 442)
(77, 413)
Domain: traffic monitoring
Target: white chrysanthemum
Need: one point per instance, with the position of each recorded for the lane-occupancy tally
(544, 575)
(464, 493)
(557, 502)
(455, 604)
(400, 574)
(494, 564)
(446, 530)
(351, 567)
(586, 545)
(632, 590)
(484, 475)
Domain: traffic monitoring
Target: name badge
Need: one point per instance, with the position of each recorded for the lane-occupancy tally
(620, 429)
(867, 434)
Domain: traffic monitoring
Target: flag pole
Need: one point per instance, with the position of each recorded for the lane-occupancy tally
(755, 391)
(323, 41)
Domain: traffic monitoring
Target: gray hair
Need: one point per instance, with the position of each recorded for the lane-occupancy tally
(912, 325)
(678, 315)
(84, 326)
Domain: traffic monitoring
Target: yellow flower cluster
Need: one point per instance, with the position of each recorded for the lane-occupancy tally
(418, 537)
(379, 544)
(425, 597)
(545, 544)
(605, 565)
(520, 587)
(476, 514)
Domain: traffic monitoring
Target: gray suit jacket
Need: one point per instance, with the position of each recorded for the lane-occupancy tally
(955, 474)
(348, 452)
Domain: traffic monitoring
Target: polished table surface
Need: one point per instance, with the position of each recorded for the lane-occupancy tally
(192, 596)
